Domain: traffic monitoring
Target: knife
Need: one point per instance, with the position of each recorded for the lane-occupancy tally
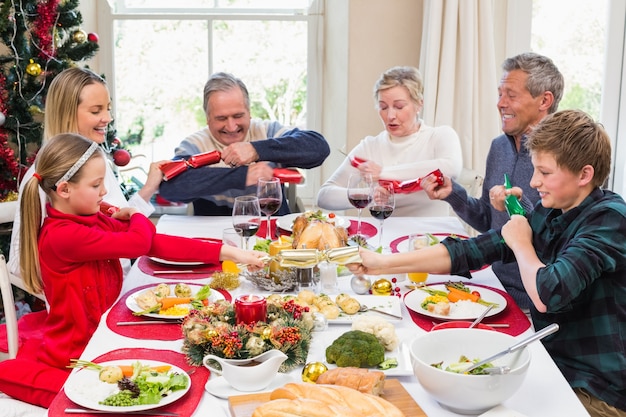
(132, 323)
(180, 271)
(138, 413)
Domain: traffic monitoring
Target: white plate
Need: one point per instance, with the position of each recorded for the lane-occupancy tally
(413, 301)
(285, 222)
(166, 262)
(387, 303)
(219, 387)
(85, 388)
(131, 302)
(321, 340)
(402, 243)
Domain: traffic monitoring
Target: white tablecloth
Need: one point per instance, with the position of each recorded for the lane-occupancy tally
(544, 393)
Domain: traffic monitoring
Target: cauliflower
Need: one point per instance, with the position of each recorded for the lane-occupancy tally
(355, 348)
(384, 331)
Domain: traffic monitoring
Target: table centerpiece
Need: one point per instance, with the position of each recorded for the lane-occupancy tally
(213, 330)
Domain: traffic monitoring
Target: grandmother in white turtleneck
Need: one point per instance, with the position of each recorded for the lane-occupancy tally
(406, 150)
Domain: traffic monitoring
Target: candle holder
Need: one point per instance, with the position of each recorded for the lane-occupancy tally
(250, 309)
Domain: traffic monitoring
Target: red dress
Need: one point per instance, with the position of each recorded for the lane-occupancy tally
(82, 277)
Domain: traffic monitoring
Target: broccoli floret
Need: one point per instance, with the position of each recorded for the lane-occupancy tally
(356, 348)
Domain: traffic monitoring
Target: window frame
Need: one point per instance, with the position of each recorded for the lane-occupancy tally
(313, 16)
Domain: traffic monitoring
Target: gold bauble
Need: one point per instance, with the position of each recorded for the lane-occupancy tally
(33, 68)
(79, 36)
(382, 287)
(266, 333)
(212, 333)
(312, 371)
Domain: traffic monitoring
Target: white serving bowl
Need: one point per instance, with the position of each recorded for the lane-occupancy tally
(461, 393)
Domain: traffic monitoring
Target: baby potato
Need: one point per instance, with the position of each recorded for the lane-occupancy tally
(307, 296)
(274, 299)
(329, 311)
(341, 298)
(182, 290)
(111, 374)
(162, 291)
(350, 306)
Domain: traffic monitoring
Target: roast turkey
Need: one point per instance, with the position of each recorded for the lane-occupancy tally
(314, 232)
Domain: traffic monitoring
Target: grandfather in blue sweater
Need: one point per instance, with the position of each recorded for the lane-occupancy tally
(531, 87)
(250, 150)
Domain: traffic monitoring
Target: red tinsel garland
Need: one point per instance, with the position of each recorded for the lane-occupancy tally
(8, 179)
(44, 24)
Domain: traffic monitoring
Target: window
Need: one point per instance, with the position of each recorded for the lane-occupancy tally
(164, 52)
(586, 41)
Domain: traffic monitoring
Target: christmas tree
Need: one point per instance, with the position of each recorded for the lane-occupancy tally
(38, 40)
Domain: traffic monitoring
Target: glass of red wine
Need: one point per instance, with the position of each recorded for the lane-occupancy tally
(360, 194)
(270, 195)
(382, 205)
(247, 216)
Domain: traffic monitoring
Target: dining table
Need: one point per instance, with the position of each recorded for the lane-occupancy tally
(544, 392)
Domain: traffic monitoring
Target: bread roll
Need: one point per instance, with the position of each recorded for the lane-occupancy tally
(360, 379)
(308, 399)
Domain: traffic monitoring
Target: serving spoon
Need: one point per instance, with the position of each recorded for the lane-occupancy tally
(539, 335)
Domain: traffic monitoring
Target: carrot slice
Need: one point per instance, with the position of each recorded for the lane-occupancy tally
(169, 302)
(455, 295)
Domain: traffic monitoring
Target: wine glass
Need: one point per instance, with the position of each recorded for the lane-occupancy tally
(247, 216)
(270, 195)
(383, 203)
(360, 193)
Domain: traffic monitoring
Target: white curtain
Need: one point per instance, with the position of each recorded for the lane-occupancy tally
(461, 73)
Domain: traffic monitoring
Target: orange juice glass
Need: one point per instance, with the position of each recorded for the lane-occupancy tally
(417, 242)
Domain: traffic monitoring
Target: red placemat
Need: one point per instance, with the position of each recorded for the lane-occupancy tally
(512, 315)
(169, 330)
(367, 229)
(184, 407)
(148, 266)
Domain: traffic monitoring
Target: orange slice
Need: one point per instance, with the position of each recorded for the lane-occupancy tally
(230, 266)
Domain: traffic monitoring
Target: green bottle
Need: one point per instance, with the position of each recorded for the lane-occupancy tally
(511, 203)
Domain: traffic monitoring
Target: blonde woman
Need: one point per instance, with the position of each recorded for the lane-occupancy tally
(407, 149)
(78, 101)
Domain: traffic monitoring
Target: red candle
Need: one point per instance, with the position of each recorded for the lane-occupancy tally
(250, 308)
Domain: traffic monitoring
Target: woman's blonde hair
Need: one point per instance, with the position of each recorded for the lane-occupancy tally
(408, 77)
(54, 159)
(63, 99)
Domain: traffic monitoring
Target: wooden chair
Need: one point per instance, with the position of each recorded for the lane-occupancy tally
(9, 312)
(473, 183)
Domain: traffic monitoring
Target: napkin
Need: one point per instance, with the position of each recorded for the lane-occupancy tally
(367, 229)
(185, 406)
(148, 266)
(401, 187)
(169, 330)
(512, 314)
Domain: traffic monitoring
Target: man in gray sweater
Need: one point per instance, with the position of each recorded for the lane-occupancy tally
(531, 87)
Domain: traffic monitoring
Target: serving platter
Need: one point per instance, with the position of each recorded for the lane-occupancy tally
(413, 301)
(84, 387)
(389, 304)
(286, 222)
(131, 301)
(321, 340)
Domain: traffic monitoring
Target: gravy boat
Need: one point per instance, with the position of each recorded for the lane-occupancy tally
(253, 374)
